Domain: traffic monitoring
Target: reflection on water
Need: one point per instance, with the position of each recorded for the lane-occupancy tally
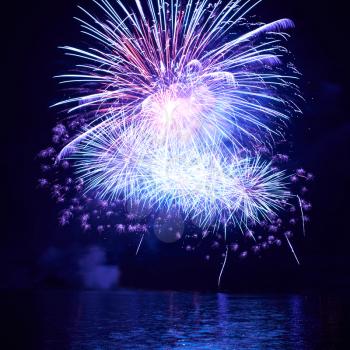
(174, 320)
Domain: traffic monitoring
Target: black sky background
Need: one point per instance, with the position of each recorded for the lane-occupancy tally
(32, 32)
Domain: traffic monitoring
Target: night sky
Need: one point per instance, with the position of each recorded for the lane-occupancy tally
(33, 31)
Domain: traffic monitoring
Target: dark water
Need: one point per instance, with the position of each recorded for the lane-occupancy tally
(172, 320)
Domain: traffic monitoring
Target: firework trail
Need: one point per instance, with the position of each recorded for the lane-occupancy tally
(179, 105)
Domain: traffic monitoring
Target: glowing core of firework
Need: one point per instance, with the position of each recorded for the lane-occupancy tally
(177, 114)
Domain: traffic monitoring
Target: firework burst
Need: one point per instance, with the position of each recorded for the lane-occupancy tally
(178, 107)
(175, 97)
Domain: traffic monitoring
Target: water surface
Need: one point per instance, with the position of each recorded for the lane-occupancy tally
(96, 320)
